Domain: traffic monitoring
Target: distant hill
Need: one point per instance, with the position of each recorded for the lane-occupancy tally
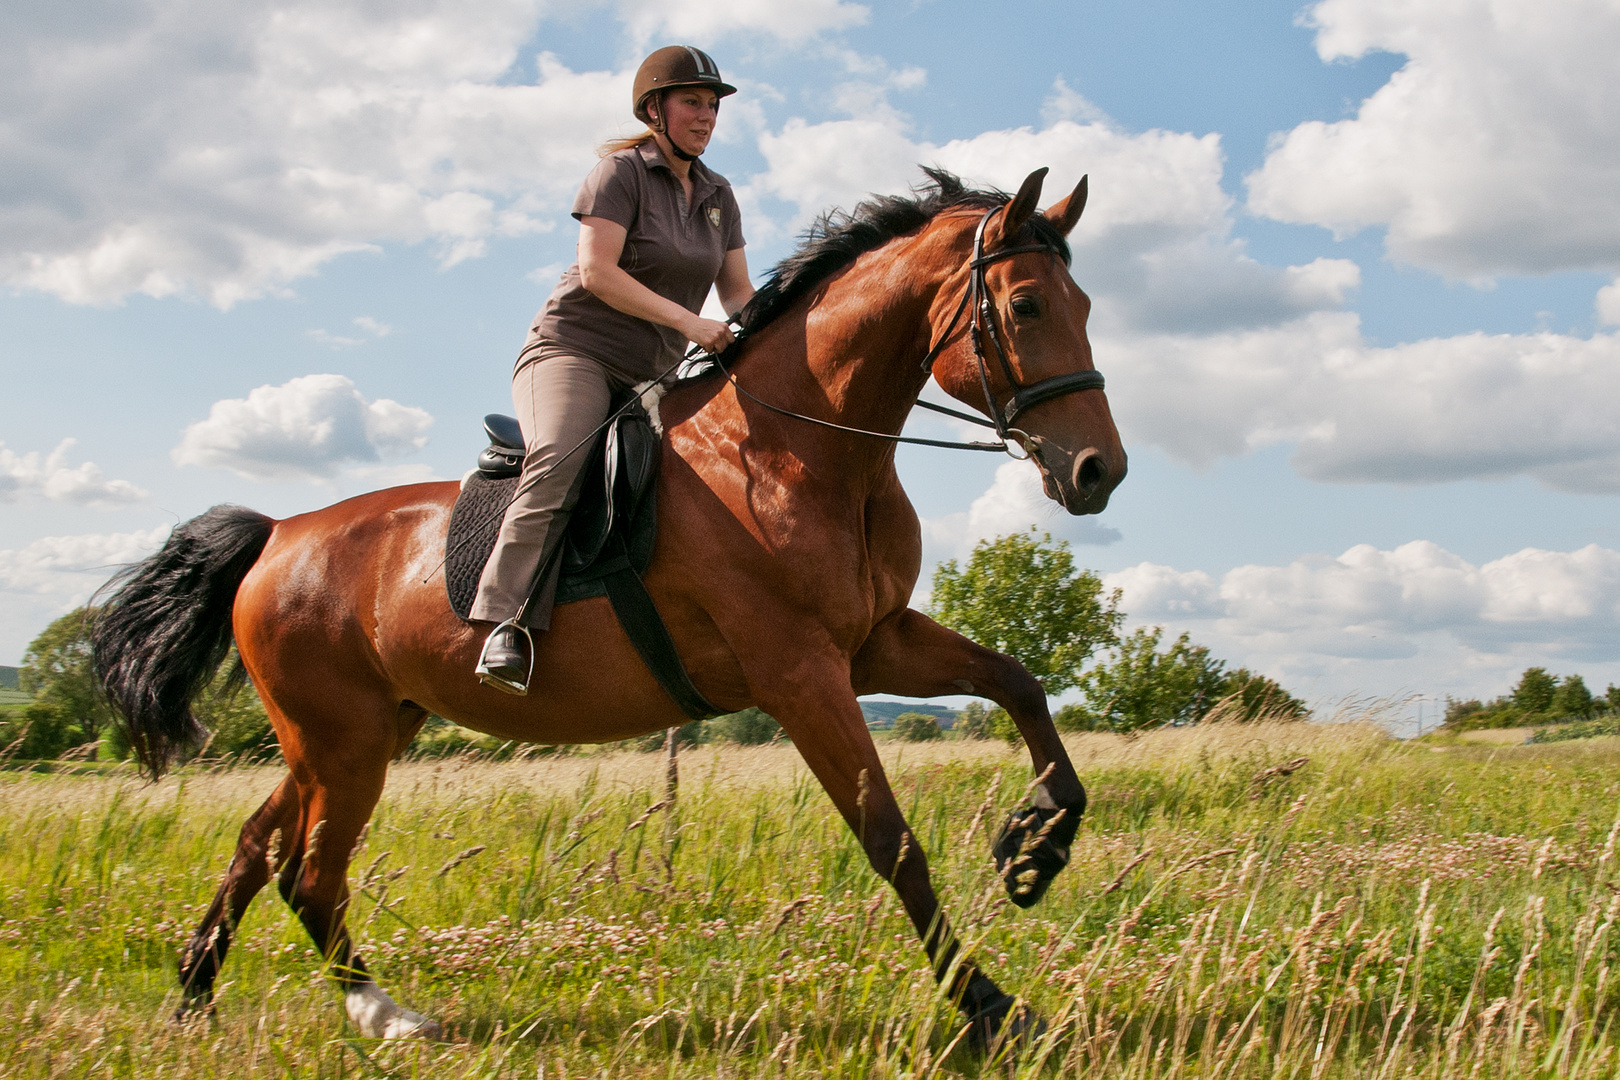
(882, 713)
(8, 678)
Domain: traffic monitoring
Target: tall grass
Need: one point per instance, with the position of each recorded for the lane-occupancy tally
(1289, 900)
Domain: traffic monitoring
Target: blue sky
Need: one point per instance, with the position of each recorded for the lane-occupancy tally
(1354, 270)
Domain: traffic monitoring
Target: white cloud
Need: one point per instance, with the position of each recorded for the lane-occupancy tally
(306, 428)
(1492, 151)
(55, 574)
(1377, 621)
(1607, 306)
(181, 147)
(1154, 592)
(1471, 406)
(1013, 503)
(369, 328)
(69, 568)
(703, 21)
(52, 478)
(1154, 247)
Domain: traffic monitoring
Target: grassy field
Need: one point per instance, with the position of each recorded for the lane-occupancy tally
(1295, 900)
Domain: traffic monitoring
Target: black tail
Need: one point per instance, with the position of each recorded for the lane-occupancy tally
(159, 639)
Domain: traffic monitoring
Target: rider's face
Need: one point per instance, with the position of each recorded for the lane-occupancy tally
(691, 113)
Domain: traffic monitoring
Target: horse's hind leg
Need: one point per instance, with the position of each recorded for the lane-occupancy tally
(250, 870)
(341, 762)
(824, 720)
(910, 655)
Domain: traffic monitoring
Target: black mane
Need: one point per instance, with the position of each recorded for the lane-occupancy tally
(836, 239)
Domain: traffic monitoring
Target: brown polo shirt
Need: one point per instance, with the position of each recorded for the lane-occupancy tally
(674, 250)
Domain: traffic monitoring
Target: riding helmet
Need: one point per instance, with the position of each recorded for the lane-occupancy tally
(671, 67)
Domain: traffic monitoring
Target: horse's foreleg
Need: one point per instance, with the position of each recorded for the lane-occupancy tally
(910, 655)
(256, 849)
(825, 722)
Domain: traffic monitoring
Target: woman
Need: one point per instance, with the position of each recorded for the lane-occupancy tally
(656, 230)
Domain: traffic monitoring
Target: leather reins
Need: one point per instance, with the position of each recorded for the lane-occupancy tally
(982, 323)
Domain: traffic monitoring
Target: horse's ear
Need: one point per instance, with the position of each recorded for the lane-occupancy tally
(1023, 204)
(1066, 213)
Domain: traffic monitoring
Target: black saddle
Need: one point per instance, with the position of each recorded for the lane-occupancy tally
(609, 539)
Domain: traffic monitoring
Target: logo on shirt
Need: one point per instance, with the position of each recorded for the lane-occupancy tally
(714, 216)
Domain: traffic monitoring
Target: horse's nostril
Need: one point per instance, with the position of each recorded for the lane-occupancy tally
(1089, 474)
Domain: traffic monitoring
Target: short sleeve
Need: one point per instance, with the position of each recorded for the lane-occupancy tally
(733, 216)
(609, 191)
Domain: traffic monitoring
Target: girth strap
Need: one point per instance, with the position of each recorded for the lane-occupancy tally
(639, 616)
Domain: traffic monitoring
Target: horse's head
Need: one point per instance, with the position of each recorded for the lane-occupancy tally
(1027, 349)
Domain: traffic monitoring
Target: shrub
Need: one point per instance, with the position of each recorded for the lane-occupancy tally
(917, 727)
(41, 731)
(1003, 728)
(441, 738)
(1539, 699)
(751, 727)
(973, 722)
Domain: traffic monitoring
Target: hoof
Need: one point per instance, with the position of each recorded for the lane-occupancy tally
(1002, 1023)
(194, 1012)
(378, 1017)
(1030, 851)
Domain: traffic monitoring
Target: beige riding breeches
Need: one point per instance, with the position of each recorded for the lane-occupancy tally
(559, 400)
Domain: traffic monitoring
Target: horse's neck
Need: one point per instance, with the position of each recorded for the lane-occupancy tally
(855, 356)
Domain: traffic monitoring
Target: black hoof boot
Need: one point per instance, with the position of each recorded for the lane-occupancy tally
(997, 1019)
(1030, 851)
(507, 659)
(194, 1012)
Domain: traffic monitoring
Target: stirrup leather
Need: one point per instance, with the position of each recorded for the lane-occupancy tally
(501, 682)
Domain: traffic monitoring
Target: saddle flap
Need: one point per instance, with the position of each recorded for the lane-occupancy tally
(612, 499)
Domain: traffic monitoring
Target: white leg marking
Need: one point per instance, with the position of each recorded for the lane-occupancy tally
(378, 1017)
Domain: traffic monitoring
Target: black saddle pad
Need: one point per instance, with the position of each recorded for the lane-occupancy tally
(590, 547)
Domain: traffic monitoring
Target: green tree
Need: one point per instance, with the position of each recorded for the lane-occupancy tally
(973, 722)
(1611, 698)
(1021, 595)
(1246, 696)
(1572, 698)
(1003, 727)
(57, 669)
(917, 727)
(1535, 691)
(1143, 687)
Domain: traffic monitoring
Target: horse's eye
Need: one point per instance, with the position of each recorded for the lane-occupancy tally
(1025, 305)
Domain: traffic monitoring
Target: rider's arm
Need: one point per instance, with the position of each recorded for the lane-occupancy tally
(601, 242)
(733, 284)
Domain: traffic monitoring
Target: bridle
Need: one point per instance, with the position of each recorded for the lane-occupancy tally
(982, 323)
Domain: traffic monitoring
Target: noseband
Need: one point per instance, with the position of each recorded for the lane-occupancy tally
(983, 324)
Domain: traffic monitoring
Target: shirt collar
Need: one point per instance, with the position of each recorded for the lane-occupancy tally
(703, 183)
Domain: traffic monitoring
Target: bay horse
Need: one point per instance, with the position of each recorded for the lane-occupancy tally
(786, 555)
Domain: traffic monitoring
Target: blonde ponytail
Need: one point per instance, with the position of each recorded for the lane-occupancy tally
(625, 142)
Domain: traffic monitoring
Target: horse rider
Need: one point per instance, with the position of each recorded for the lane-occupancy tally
(657, 228)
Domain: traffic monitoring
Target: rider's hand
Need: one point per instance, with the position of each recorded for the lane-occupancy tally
(709, 334)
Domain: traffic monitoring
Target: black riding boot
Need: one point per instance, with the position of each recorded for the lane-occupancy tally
(507, 659)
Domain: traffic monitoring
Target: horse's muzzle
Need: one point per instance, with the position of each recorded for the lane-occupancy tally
(1093, 480)
(1080, 482)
